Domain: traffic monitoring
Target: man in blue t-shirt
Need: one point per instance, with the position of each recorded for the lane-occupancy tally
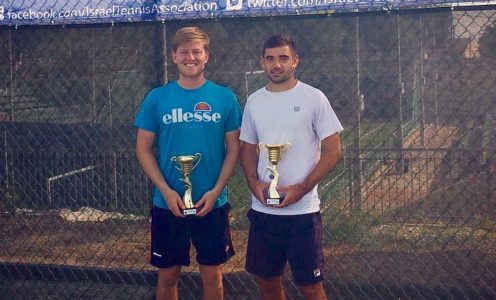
(198, 118)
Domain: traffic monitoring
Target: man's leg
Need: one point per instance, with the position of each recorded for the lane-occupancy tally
(167, 283)
(313, 291)
(211, 237)
(271, 288)
(265, 253)
(212, 287)
(306, 255)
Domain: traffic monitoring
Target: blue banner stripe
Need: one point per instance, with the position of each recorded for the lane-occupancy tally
(108, 11)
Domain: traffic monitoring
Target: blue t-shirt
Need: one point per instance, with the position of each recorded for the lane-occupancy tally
(187, 122)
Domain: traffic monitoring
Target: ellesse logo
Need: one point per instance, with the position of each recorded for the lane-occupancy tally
(202, 112)
(202, 106)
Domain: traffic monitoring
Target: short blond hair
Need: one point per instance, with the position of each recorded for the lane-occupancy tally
(190, 34)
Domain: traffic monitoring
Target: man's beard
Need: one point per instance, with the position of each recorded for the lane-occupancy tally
(280, 79)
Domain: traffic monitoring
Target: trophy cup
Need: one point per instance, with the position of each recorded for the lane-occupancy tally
(186, 166)
(276, 152)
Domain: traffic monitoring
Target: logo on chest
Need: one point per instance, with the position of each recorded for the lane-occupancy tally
(202, 112)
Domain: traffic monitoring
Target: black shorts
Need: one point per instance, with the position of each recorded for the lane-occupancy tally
(171, 238)
(275, 240)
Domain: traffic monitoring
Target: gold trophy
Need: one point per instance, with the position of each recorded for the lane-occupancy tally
(186, 166)
(276, 152)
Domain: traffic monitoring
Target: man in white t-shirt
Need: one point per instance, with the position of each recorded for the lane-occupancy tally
(287, 111)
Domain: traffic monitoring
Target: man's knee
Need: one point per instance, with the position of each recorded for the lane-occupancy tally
(313, 291)
(212, 281)
(211, 276)
(271, 288)
(168, 277)
(268, 284)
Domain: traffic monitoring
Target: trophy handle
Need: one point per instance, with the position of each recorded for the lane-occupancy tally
(174, 160)
(197, 159)
(285, 149)
(260, 147)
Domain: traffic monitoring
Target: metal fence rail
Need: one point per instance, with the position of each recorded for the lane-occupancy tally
(409, 212)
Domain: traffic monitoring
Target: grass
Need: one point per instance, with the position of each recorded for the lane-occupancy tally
(341, 226)
(371, 134)
(367, 230)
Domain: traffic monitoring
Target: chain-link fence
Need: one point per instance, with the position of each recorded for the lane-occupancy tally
(409, 212)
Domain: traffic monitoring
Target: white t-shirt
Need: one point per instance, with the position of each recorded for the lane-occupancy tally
(301, 116)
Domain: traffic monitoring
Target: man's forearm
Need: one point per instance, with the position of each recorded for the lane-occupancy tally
(228, 167)
(249, 161)
(331, 153)
(149, 164)
(230, 160)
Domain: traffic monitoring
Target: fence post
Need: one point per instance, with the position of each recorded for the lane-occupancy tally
(356, 166)
(11, 75)
(399, 131)
(6, 179)
(422, 85)
(436, 78)
(114, 180)
(93, 79)
(491, 153)
(162, 53)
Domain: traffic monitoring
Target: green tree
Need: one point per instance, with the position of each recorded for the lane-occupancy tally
(487, 42)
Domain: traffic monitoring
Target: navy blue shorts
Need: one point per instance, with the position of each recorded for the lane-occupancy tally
(275, 240)
(171, 238)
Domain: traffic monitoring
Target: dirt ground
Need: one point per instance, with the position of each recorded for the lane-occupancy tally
(468, 260)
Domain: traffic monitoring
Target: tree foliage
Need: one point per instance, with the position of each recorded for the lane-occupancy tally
(487, 42)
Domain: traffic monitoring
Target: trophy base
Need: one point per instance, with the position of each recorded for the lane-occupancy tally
(189, 211)
(273, 201)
